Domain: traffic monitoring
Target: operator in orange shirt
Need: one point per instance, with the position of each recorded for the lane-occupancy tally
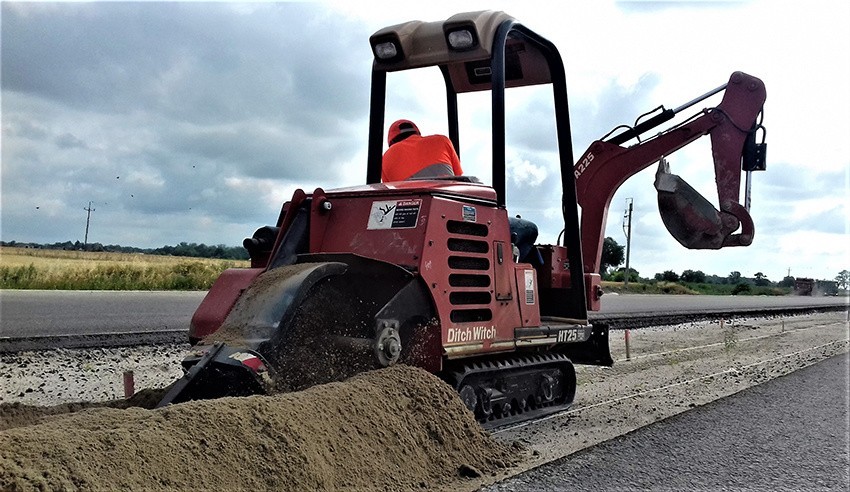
(413, 156)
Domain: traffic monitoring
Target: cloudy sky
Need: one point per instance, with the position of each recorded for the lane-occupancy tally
(195, 121)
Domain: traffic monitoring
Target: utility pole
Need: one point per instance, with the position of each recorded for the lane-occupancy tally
(627, 228)
(89, 210)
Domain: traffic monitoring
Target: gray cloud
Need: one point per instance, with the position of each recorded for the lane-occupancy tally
(195, 61)
(69, 141)
(787, 202)
(153, 109)
(796, 183)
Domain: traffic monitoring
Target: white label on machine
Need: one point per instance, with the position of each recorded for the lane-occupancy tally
(565, 336)
(469, 214)
(529, 286)
(471, 334)
(394, 214)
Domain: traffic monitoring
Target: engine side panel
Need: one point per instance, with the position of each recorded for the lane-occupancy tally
(468, 265)
(388, 228)
(460, 248)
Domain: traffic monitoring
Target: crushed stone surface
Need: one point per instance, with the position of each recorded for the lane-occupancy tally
(53, 377)
(394, 429)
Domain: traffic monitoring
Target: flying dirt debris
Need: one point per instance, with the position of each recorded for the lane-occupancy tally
(423, 272)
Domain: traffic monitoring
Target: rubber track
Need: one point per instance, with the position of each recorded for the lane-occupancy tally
(459, 374)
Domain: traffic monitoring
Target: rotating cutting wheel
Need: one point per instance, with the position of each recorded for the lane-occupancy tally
(330, 338)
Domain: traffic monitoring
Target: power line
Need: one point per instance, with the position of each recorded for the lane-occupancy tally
(627, 228)
(89, 210)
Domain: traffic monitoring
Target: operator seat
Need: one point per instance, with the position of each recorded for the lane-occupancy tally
(523, 236)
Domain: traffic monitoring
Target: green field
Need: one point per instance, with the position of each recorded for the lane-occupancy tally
(23, 268)
(27, 268)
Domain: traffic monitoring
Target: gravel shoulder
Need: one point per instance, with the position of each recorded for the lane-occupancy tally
(669, 370)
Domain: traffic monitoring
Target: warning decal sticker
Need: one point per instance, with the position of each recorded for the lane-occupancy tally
(469, 214)
(394, 214)
(529, 286)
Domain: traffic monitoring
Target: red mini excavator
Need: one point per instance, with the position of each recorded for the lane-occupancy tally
(422, 272)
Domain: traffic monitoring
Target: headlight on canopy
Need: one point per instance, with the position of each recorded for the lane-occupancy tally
(461, 39)
(386, 50)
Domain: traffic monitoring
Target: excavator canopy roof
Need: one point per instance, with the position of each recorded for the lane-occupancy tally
(463, 45)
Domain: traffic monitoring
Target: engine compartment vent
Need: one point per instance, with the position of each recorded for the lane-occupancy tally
(470, 278)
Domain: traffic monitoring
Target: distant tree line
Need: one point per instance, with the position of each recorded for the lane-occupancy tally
(194, 250)
(613, 256)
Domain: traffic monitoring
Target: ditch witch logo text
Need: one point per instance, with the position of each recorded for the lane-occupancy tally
(471, 334)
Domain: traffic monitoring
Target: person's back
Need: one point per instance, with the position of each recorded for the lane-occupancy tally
(413, 156)
(410, 155)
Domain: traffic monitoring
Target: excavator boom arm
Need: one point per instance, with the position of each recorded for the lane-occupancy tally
(689, 217)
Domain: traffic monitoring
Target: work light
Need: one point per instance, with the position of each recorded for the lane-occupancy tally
(461, 39)
(386, 51)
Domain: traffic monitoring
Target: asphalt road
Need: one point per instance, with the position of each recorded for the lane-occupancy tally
(790, 433)
(49, 313)
(54, 313)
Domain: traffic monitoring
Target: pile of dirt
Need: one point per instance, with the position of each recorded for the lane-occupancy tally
(398, 428)
(19, 415)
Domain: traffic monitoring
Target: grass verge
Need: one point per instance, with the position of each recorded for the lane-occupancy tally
(22, 268)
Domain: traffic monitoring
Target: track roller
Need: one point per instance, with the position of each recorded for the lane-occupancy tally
(515, 389)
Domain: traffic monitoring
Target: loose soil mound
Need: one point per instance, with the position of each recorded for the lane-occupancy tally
(399, 428)
(19, 415)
